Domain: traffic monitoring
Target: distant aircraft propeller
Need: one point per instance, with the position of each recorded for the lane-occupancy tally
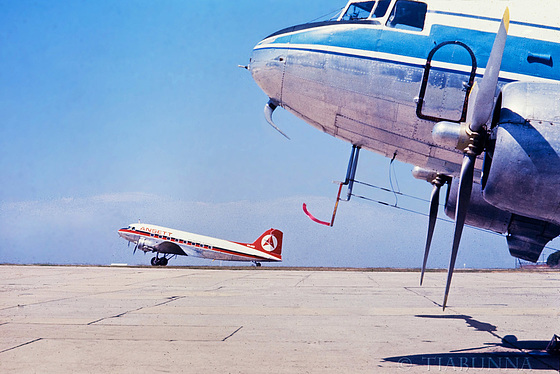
(478, 113)
(269, 108)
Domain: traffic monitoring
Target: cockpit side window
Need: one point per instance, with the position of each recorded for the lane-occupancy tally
(408, 15)
(381, 9)
(358, 10)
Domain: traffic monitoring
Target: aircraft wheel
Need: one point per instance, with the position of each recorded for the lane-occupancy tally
(154, 261)
(162, 261)
(258, 264)
(553, 260)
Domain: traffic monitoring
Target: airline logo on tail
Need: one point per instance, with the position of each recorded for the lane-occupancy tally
(270, 241)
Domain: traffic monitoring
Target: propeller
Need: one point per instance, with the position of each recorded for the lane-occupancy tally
(478, 113)
(135, 247)
(438, 182)
(269, 108)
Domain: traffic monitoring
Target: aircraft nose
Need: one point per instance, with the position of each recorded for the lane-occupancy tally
(267, 67)
(122, 233)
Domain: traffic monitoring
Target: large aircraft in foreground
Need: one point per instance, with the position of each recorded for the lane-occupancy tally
(467, 95)
(167, 243)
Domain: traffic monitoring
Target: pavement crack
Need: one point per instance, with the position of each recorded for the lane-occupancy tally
(424, 296)
(374, 281)
(303, 280)
(218, 284)
(21, 345)
(230, 335)
(170, 300)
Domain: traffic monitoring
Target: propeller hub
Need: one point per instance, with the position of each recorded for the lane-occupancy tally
(477, 142)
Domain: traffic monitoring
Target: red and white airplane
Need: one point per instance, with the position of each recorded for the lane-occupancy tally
(169, 242)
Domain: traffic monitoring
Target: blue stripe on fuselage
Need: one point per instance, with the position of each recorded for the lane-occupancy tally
(395, 62)
(413, 45)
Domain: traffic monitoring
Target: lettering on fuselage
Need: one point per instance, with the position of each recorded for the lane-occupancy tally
(156, 231)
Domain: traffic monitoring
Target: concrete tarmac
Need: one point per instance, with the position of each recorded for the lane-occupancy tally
(63, 319)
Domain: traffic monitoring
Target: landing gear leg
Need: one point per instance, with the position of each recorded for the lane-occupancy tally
(349, 181)
(257, 264)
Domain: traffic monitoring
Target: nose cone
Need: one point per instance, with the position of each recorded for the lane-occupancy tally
(125, 234)
(268, 63)
(121, 233)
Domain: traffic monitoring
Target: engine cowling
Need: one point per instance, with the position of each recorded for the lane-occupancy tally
(522, 164)
(146, 244)
(480, 213)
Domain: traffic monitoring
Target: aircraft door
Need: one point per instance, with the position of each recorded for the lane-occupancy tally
(446, 83)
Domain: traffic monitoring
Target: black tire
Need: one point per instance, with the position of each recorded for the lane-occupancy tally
(554, 259)
(162, 261)
(154, 261)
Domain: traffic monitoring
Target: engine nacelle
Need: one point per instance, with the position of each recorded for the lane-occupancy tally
(146, 244)
(522, 164)
(480, 213)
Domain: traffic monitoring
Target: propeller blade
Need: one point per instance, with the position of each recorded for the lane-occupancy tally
(480, 111)
(135, 248)
(434, 204)
(481, 103)
(269, 108)
(463, 201)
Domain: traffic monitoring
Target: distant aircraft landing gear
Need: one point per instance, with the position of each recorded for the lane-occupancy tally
(257, 264)
(162, 261)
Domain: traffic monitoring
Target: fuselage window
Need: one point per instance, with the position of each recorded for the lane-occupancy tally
(408, 15)
(358, 10)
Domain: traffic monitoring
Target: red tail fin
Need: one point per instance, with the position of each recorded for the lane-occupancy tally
(270, 241)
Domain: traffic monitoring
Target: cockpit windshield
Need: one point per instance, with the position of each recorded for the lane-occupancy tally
(358, 10)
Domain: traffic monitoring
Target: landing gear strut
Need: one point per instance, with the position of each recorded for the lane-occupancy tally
(349, 181)
(257, 264)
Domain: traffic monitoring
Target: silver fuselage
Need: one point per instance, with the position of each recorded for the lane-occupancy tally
(360, 81)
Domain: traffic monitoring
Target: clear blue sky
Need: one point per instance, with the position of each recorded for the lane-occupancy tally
(114, 111)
